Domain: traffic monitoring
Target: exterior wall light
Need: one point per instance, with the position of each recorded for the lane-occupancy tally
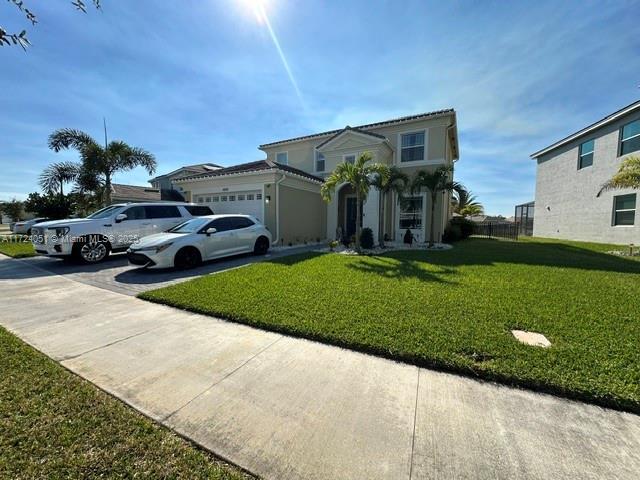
(267, 199)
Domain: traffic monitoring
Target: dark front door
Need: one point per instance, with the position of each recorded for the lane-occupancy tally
(350, 217)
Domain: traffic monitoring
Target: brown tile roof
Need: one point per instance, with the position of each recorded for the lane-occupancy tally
(134, 192)
(258, 166)
(408, 118)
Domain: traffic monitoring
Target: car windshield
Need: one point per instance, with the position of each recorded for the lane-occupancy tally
(190, 226)
(104, 212)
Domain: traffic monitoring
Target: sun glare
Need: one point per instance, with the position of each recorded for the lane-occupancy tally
(257, 8)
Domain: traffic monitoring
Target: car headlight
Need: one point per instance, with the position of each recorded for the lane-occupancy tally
(156, 249)
(60, 231)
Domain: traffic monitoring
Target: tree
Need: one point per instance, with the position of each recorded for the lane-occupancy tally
(359, 176)
(50, 205)
(464, 202)
(53, 178)
(435, 182)
(14, 209)
(99, 164)
(7, 39)
(395, 181)
(628, 176)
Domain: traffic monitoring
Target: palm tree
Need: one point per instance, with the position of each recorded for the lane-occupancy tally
(435, 182)
(359, 176)
(101, 163)
(464, 202)
(396, 181)
(53, 178)
(628, 176)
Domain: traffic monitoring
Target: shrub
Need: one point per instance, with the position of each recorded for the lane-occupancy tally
(366, 238)
(465, 225)
(452, 233)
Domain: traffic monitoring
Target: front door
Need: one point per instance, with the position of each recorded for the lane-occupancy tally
(350, 217)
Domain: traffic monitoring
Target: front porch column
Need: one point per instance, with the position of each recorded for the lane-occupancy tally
(371, 211)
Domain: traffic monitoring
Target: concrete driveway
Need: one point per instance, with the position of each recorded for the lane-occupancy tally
(286, 408)
(115, 274)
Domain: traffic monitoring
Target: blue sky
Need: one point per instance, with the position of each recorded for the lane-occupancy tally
(196, 81)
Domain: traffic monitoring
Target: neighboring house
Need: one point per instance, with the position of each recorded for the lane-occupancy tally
(283, 190)
(133, 193)
(166, 181)
(570, 174)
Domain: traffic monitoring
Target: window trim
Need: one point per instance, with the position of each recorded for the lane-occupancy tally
(621, 140)
(580, 154)
(615, 211)
(286, 152)
(425, 157)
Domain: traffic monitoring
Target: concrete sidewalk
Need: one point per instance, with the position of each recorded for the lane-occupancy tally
(288, 408)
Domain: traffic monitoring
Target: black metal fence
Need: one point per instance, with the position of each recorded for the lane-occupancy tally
(506, 230)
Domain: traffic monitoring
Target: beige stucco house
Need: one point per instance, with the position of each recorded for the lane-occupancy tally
(283, 190)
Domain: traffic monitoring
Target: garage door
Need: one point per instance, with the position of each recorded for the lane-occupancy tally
(245, 202)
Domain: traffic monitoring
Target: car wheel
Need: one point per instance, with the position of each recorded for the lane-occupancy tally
(262, 246)
(91, 251)
(186, 258)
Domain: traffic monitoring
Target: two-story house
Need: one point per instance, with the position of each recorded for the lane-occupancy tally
(283, 190)
(570, 174)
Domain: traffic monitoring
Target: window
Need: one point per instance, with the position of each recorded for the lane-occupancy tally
(586, 154)
(162, 211)
(221, 224)
(232, 198)
(198, 211)
(411, 213)
(240, 222)
(223, 198)
(320, 164)
(240, 198)
(200, 200)
(249, 196)
(630, 138)
(215, 199)
(349, 159)
(208, 200)
(135, 213)
(282, 158)
(624, 209)
(412, 147)
(258, 196)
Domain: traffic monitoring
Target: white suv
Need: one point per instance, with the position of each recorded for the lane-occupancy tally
(112, 229)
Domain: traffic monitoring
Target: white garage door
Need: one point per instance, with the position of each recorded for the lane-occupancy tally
(245, 202)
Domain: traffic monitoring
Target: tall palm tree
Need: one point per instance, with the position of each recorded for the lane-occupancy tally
(101, 163)
(628, 176)
(359, 176)
(464, 202)
(435, 182)
(396, 181)
(53, 178)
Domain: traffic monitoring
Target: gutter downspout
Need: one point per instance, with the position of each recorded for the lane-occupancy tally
(278, 209)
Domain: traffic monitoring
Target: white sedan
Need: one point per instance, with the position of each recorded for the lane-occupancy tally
(199, 239)
(24, 227)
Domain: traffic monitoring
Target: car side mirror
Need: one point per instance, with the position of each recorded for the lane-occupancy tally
(120, 217)
(211, 231)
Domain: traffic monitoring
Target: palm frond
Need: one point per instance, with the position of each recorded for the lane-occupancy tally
(65, 138)
(628, 176)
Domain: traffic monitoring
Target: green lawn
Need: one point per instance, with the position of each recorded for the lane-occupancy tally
(16, 246)
(55, 425)
(454, 310)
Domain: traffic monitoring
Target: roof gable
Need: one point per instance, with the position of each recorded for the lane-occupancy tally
(350, 137)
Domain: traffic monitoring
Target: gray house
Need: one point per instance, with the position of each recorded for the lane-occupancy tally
(570, 174)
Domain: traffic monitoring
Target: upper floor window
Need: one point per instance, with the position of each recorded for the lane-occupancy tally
(349, 159)
(624, 209)
(320, 163)
(412, 147)
(586, 154)
(630, 138)
(282, 158)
